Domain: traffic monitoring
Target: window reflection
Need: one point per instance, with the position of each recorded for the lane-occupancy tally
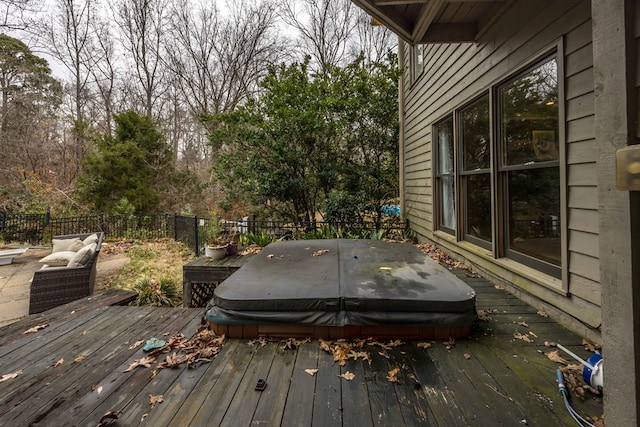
(530, 169)
(529, 117)
(478, 198)
(534, 213)
(476, 165)
(475, 136)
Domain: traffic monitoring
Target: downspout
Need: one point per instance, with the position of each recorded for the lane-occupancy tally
(401, 86)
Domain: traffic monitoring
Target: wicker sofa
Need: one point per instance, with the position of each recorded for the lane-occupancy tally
(54, 286)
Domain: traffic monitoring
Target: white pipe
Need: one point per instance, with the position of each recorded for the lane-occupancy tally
(584, 362)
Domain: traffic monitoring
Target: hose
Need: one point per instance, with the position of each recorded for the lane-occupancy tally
(565, 395)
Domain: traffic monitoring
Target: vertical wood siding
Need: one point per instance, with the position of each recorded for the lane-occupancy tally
(456, 73)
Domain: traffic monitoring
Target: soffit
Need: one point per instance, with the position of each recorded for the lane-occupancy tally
(435, 21)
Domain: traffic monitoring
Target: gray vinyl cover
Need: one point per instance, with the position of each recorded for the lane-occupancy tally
(356, 282)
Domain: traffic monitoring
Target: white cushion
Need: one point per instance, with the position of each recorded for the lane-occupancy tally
(61, 245)
(58, 258)
(90, 239)
(82, 256)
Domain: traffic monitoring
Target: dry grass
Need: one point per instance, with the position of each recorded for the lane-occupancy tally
(155, 259)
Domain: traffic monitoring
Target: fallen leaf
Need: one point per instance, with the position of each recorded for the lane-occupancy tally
(10, 376)
(270, 256)
(58, 363)
(311, 372)
(320, 252)
(483, 316)
(293, 343)
(136, 344)
(425, 345)
(590, 346)
(99, 389)
(348, 376)
(79, 359)
(145, 361)
(554, 356)
(525, 337)
(542, 313)
(392, 375)
(384, 354)
(360, 355)
(523, 324)
(597, 421)
(172, 360)
(35, 328)
(154, 400)
(533, 334)
(467, 356)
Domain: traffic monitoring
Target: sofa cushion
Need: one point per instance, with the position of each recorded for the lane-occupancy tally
(93, 238)
(61, 245)
(82, 256)
(58, 258)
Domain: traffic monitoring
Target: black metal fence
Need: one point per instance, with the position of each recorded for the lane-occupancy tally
(39, 229)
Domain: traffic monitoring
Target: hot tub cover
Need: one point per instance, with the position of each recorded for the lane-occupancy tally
(343, 282)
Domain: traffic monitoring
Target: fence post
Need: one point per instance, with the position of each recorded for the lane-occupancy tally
(195, 230)
(3, 222)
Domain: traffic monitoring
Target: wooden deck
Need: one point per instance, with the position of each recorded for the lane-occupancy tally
(489, 379)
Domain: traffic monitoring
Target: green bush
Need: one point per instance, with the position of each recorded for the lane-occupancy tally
(262, 239)
(156, 293)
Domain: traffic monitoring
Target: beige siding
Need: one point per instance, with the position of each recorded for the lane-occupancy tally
(456, 73)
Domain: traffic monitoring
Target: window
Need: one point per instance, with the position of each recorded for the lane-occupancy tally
(503, 159)
(445, 178)
(476, 171)
(529, 167)
(418, 54)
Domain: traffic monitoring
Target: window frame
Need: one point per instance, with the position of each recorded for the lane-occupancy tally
(438, 177)
(463, 174)
(499, 245)
(502, 171)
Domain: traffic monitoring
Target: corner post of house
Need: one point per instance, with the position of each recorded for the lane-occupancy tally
(616, 113)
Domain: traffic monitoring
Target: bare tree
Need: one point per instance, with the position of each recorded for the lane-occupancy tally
(70, 36)
(14, 13)
(143, 24)
(220, 60)
(325, 27)
(103, 74)
(371, 40)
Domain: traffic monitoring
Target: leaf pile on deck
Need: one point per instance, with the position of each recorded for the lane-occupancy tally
(440, 257)
(204, 347)
(573, 379)
(343, 350)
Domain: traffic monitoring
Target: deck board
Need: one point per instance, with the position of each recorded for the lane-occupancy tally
(298, 409)
(504, 382)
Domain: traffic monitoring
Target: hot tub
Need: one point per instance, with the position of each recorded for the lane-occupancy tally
(342, 288)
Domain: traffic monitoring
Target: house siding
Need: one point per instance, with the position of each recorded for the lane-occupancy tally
(453, 75)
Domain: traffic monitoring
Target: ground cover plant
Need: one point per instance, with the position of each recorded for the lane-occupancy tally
(154, 269)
